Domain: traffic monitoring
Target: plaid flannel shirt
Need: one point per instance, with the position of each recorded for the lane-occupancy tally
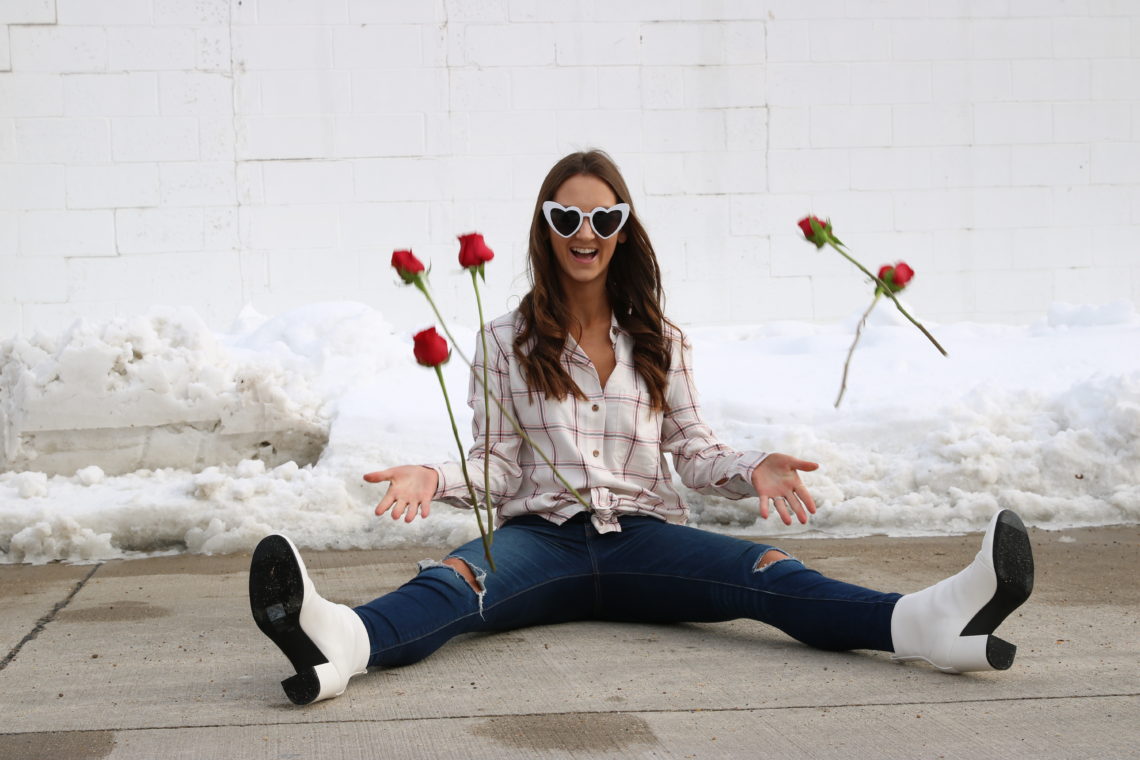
(610, 446)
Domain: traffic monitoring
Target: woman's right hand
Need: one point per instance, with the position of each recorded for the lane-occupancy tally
(412, 487)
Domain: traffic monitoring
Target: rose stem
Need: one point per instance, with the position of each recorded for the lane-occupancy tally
(851, 351)
(890, 295)
(463, 463)
(486, 405)
(499, 404)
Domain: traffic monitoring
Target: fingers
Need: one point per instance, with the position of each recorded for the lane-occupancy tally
(797, 502)
(397, 500)
(407, 507)
(415, 509)
(385, 503)
(803, 495)
(400, 510)
(798, 507)
(781, 505)
(408, 510)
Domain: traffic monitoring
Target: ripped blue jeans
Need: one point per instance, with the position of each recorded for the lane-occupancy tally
(650, 572)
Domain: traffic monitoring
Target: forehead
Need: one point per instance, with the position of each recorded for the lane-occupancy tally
(585, 191)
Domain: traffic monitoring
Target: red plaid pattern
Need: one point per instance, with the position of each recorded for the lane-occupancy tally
(611, 446)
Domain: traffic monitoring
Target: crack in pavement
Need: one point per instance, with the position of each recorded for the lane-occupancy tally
(42, 622)
(662, 711)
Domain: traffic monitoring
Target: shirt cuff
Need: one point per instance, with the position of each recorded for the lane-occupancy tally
(452, 488)
(739, 476)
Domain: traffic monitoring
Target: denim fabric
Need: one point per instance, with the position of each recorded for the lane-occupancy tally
(651, 571)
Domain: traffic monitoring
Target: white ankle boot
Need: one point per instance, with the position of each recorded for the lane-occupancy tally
(950, 624)
(326, 642)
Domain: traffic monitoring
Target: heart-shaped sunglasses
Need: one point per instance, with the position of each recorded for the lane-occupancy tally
(565, 220)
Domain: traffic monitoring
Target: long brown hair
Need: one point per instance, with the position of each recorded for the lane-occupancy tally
(633, 286)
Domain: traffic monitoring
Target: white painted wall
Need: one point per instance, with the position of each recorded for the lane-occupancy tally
(215, 152)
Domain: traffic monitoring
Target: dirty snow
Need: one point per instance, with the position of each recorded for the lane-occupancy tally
(1044, 419)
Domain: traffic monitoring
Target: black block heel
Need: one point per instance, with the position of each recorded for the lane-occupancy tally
(302, 688)
(999, 653)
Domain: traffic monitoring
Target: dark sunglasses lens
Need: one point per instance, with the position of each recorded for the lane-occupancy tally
(606, 222)
(565, 221)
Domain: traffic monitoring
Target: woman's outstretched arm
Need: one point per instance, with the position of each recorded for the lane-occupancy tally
(707, 465)
(414, 487)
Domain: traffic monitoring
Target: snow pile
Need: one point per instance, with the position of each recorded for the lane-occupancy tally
(1044, 419)
(155, 391)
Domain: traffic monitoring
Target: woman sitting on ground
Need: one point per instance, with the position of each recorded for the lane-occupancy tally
(602, 382)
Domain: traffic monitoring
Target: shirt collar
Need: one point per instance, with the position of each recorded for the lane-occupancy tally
(574, 353)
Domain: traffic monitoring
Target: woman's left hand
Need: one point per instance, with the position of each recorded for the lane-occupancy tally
(775, 480)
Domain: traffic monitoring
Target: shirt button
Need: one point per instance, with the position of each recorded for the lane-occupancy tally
(597, 453)
(595, 407)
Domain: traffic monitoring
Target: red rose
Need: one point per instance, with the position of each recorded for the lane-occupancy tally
(473, 251)
(406, 263)
(805, 225)
(896, 277)
(820, 239)
(430, 348)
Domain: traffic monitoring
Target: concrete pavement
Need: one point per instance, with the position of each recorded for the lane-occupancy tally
(159, 658)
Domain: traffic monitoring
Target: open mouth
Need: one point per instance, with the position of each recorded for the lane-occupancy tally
(584, 254)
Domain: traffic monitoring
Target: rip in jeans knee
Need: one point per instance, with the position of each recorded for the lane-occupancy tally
(474, 577)
(770, 558)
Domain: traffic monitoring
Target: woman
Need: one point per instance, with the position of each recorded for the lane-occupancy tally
(602, 382)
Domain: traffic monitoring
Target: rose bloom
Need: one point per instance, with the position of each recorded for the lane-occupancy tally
(430, 348)
(809, 235)
(406, 263)
(805, 225)
(900, 274)
(473, 250)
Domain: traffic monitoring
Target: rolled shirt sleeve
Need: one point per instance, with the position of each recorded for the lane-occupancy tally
(704, 463)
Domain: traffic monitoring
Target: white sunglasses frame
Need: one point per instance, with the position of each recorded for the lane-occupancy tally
(549, 206)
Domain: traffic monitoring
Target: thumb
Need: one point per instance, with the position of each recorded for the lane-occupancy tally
(804, 465)
(379, 476)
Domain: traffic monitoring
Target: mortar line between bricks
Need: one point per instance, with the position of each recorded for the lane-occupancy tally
(661, 711)
(42, 622)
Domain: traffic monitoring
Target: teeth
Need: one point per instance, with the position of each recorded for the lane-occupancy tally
(584, 251)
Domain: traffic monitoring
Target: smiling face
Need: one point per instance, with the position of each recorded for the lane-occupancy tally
(584, 257)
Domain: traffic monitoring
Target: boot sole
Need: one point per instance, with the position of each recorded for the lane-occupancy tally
(1013, 566)
(276, 593)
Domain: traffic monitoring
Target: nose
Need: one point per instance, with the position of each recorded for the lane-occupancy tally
(586, 231)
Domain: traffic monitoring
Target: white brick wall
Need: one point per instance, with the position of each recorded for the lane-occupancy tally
(58, 49)
(159, 230)
(126, 94)
(67, 233)
(112, 185)
(62, 140)
(27, 12)
(215, 152)
(5, 50)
